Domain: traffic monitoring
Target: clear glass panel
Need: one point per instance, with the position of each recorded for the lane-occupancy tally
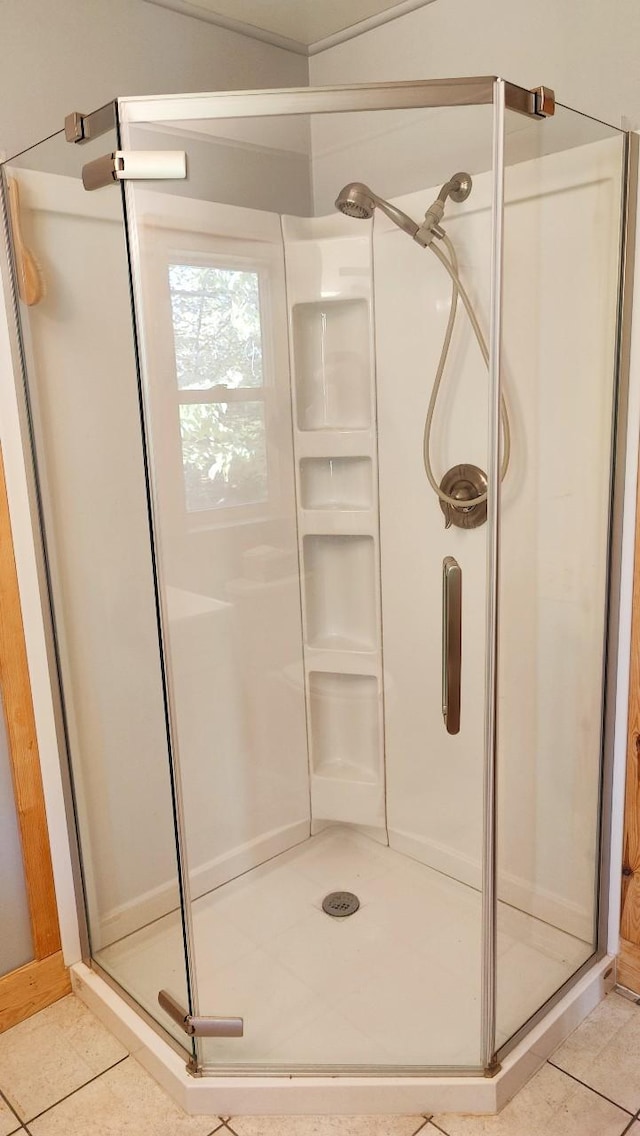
(563, 186)
(16, 945)
(308, 527)
(83, 394)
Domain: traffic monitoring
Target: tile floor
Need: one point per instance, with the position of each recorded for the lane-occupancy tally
(62, 1074)
(302, 981)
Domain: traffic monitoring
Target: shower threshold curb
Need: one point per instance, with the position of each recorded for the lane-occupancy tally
(254, 1095)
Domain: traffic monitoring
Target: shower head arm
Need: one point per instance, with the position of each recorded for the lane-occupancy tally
(458, 189)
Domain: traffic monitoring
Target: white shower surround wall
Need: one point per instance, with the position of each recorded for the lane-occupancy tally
(553, 553)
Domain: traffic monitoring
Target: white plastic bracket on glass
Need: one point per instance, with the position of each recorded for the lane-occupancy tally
(134, 165)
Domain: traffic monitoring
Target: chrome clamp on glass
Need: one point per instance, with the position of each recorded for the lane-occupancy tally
(196, 1026)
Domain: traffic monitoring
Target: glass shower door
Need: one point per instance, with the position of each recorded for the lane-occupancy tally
(71, 273)
(288, 356)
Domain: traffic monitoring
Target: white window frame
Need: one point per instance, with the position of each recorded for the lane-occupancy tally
(165, 246)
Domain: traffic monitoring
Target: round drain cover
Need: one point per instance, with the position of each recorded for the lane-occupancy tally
(340, 903)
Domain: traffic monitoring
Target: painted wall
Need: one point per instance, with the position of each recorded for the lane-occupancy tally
(77, 56)
(587, 51)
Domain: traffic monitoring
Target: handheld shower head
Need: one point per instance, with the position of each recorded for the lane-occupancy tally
(357, 200)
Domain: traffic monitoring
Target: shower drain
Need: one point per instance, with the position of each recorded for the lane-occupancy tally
(340, 903)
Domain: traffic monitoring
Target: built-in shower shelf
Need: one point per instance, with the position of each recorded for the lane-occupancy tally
(329, 276)
(341, 522)
(331, 347)
(341, 770)
(341, 660)
(334, 443)
(332, 482)
(340, 591)
(341, 644)
(346, 780)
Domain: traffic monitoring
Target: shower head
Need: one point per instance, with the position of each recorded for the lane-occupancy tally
(356, 200)
(359, 201)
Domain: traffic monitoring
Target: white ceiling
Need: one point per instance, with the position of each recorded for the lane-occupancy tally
(306, 26)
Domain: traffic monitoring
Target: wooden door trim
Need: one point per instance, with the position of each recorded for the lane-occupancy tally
(23, 750)
(32, 987)
(629, 956)
(628, 967)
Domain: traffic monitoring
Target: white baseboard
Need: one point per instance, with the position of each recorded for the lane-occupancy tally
(517, 892)
(159, 901)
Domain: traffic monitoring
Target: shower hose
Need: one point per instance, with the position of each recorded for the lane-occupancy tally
(450, 263)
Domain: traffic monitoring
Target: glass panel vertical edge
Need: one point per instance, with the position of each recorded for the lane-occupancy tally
(489, 898)
(174, 774)
(615, 567)
(8, 289)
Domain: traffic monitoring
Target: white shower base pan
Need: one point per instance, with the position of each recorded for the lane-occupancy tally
(391, 985)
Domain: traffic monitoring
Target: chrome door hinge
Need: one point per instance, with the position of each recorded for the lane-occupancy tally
(199, 1026)
(152, 165)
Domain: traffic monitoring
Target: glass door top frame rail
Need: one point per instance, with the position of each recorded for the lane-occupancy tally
(474, 91)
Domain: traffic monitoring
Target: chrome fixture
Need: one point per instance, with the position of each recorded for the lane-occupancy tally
(340, 904)
(84, 127)
(196, 1026)
(357, 200)
(466, 484)
(544, 101)
(451, 643)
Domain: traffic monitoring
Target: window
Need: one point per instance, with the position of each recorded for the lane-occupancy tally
(217, 338)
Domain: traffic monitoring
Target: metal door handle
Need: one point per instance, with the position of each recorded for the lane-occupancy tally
(451, 643)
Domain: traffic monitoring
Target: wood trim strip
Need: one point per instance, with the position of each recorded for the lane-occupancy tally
(628, 968)
(23, 748)
(25, 991)
(630, 918)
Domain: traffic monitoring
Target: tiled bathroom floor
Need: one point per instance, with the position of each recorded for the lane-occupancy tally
(302, 980)
(62, 1074)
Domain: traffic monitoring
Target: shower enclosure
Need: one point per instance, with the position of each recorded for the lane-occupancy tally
(286, 668)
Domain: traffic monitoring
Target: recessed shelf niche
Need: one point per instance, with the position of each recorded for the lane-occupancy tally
(336, 483)
(332, 365)
(344, 726)
(340, 592)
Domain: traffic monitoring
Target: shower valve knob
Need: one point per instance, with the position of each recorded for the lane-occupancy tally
(465, 483)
